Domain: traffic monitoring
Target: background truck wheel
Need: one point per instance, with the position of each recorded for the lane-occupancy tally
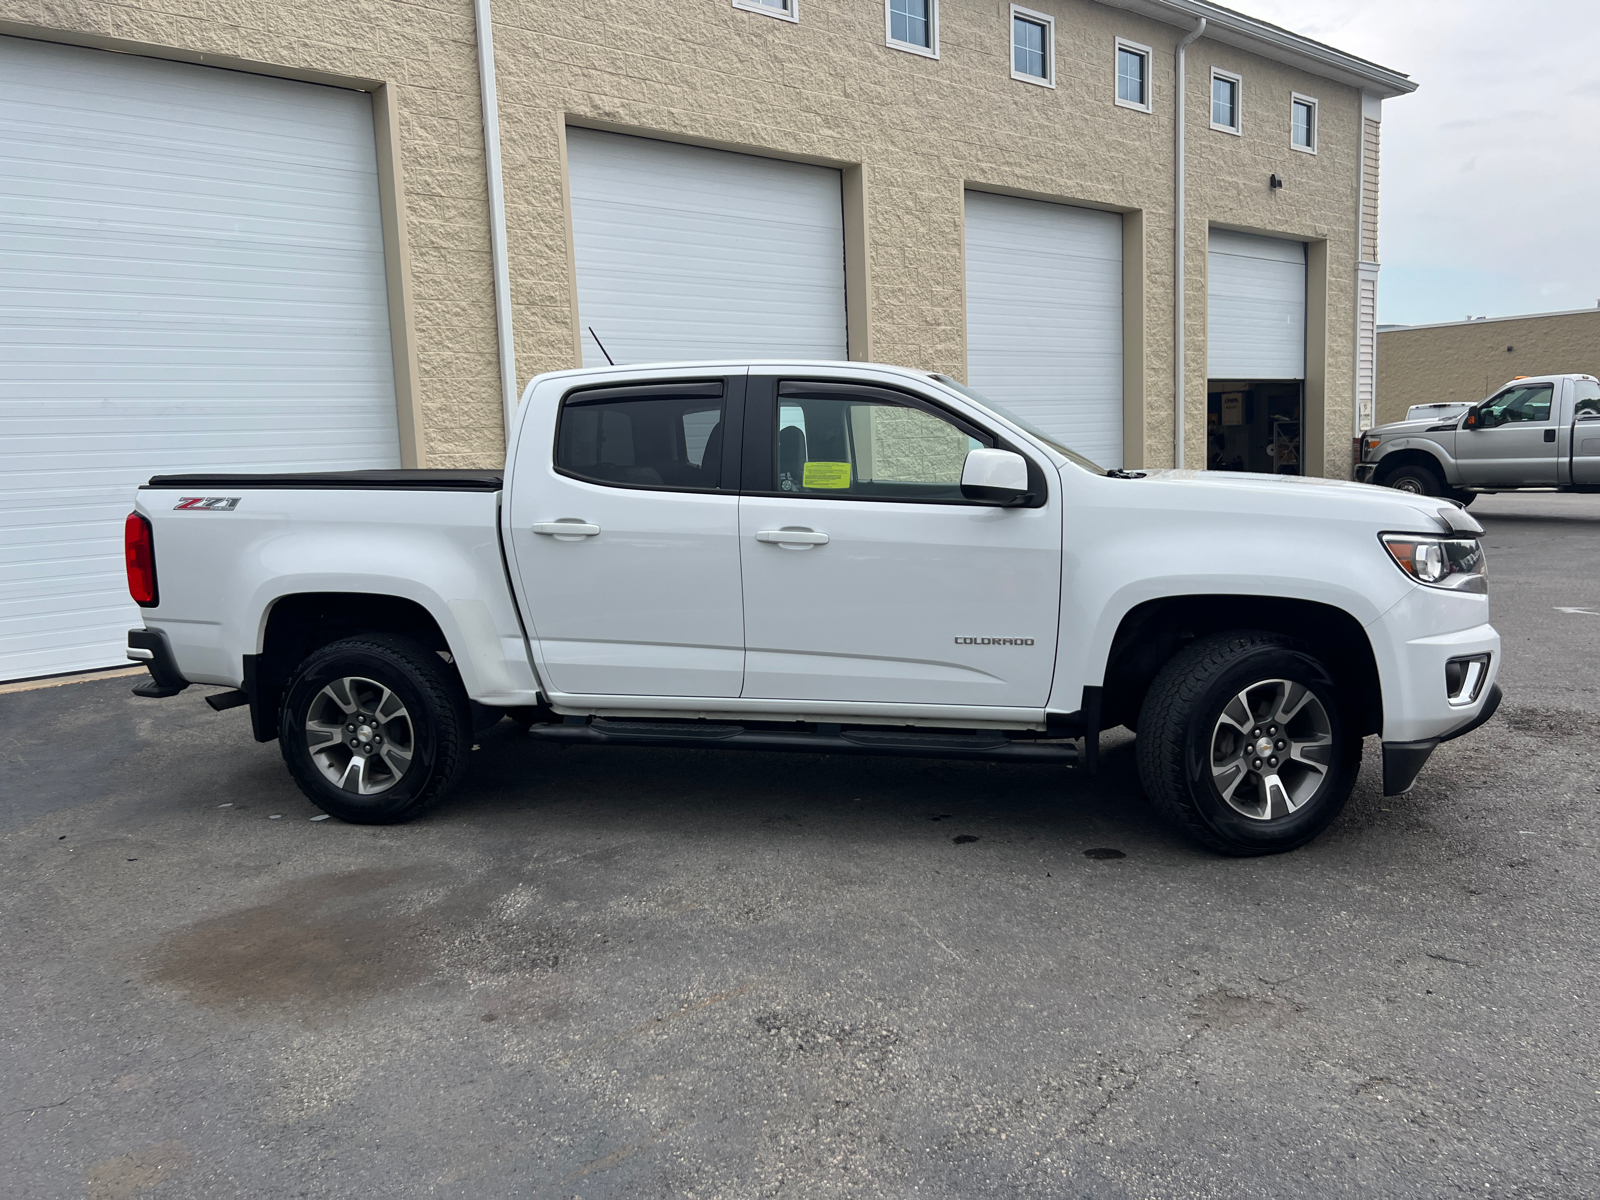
(374, 729)
(1418, 480)
(1243, 746)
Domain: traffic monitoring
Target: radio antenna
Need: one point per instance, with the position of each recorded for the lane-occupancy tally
(602, 346)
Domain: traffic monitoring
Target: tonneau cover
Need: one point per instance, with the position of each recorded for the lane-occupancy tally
(412, 480)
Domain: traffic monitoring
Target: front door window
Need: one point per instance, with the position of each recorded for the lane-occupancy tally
(858, 448)
(1529, 403)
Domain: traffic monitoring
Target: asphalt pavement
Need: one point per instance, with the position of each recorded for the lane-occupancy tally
(661, 973)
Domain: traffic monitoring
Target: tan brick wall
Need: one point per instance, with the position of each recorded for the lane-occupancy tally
(826, 89)
(1470, 360)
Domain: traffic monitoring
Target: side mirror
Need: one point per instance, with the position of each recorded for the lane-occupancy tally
(995, 477)
(1472, 420)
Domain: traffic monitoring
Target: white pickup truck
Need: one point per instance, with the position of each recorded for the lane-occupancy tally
(819, 556)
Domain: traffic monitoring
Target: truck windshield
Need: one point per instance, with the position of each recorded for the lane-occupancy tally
(1001, 410)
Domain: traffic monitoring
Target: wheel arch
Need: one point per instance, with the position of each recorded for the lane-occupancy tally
(1150, 633)
(297, 624)
(1409, 457)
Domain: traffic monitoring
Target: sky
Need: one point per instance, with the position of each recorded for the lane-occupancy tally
(1491, 168)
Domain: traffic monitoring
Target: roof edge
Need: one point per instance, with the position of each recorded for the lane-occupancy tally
(1560, 312)
(1272, 41)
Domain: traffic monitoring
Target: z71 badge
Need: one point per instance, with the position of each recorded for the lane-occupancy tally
(218, 503)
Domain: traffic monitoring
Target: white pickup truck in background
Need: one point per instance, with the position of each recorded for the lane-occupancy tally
(1540, 431)
(828, 557)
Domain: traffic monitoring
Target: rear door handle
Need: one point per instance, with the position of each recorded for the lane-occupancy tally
(565, 531)
(792, 539)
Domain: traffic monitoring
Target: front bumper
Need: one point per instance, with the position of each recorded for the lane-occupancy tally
(1403, 761)
(1365, 471)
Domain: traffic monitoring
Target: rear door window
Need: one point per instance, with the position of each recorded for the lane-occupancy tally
(646, 437)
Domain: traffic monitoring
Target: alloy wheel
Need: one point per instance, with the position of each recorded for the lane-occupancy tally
(360, 735)
(1271, 749)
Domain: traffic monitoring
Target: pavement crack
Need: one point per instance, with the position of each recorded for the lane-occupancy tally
(1460, 962)
(33, 1108)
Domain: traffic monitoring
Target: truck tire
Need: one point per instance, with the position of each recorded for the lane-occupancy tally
(1242, 744)
(1417, 479)
(374, 729)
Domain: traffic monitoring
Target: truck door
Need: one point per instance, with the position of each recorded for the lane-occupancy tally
(867, 576)
(1510, 439)
(624, 530)
(1586, 433)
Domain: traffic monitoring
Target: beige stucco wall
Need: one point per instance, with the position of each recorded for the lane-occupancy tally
(912, 133)
(1468, 360)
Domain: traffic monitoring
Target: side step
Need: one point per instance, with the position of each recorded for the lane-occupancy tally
(823, 739)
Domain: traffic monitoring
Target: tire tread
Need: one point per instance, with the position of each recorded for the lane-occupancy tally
(1162, 727)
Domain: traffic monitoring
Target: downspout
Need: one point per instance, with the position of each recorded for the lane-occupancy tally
(497, 217)
(1180, 252)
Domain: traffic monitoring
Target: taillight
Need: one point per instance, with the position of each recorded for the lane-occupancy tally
(140, 544)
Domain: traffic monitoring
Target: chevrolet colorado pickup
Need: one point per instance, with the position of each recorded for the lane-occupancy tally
(815, 556)
(1536, 432)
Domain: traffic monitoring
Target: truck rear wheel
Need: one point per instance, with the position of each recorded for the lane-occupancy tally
(1242, 744)
(374, 729)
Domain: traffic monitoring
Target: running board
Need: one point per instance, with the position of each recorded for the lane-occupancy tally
(827, 739)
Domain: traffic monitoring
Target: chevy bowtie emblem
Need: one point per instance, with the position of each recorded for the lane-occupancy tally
(217, 503)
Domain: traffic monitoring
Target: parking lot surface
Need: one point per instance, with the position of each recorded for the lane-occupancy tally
(663, 973)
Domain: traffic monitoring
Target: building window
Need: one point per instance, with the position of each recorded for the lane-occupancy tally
(1303, 123)
(1033, 50)
(913, 25)
(1133, 75)
(784, 10)
(1225, 89)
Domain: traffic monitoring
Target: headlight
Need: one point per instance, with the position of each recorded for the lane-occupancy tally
(1454, 563)
(1369, 443)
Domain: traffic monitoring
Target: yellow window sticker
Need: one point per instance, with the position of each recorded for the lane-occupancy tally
(826, 475)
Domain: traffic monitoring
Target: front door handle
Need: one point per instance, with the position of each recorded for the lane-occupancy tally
(566, 531)
(792, 539)
(1549, 435)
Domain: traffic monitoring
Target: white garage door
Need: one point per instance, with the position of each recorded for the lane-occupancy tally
(1044, 317)
(191, 277)
(688, 253)
(1256, 307)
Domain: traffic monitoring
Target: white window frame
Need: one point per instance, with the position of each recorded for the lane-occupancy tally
(768, 10)
(1237, 128)
(1149, 79)
(1037, 18)
(931, 50)
(1316, 122)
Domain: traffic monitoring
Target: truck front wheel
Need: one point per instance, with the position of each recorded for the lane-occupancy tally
(374, 729)
(1416, 479)
(1243, 746)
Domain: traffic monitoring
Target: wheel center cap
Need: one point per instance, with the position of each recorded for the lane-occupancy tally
(364, 732)
(1263, 747)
